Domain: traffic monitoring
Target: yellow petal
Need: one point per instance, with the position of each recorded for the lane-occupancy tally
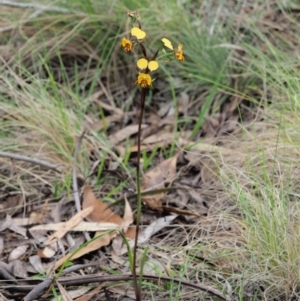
(153, 65)
(167, 43)
(142, 63)
(138, 33)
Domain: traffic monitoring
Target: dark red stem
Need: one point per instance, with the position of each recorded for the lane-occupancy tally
(137, 285)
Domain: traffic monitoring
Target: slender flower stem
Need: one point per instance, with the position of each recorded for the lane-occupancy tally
(137, 284)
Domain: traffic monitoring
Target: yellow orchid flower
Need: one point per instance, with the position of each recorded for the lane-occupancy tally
(167, 43)
(144, 80)
(179, 53)
(143, 64)
(126, 44)
(138, 33)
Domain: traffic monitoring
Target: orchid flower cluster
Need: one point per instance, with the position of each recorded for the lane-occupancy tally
(145, 64)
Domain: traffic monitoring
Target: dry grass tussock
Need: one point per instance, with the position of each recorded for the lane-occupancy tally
(253, 232)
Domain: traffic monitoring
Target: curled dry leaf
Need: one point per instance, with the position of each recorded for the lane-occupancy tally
(124, 133)
(18, 229)
(118, 244)
(156, 179)
(18, 269)
(96, 244)
(78, 241)
(17, 252)
(154, 227)
(4, 275)
(36, 262)
(69, 225)
(5, 266)
(128, 216)
(6, 272)
(100, 213)
(4, 224)
(144, 235)
(9, 223)
(130, 232)
(82, 226)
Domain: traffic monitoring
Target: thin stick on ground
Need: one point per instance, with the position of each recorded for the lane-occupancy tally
(39, 289)
(88, 279)
(30, 160)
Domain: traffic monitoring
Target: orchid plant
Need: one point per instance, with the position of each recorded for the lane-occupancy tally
(146, 66)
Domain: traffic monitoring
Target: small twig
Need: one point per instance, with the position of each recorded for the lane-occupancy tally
(74, 180)
(98, 278)
(30, 160)
(88, 279)
(77, 267)
(39, 289)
